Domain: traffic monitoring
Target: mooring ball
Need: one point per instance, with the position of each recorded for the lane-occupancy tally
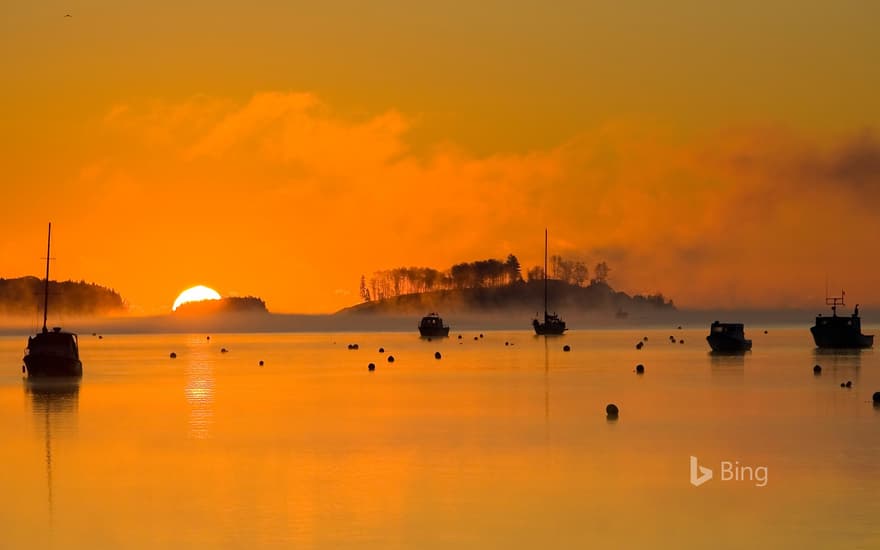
(437, 355)
(481, 335)
(381, 350)
(645, 339)
(817, 369)
(611, 410)
(475, 338)
(566, 347)
(877, 397)
(639, 345)
(849, 383)
(224, 350)
(842, 385)
(100, 337)
(390, 358)
(679, 327)
(207, 337)
(681, 341)
(371, 366)
(261, 362)
(173, 355)
(765, 332)
(640, 368)
(459, 336)
(355, 346)
(506, 343)
(429, 338)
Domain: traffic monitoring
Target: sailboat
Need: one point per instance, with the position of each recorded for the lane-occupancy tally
(52, 353)
(552, 323)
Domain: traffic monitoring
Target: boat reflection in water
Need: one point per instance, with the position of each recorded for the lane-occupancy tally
(54, 404)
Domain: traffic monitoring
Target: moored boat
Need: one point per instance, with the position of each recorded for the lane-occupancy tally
(837, 332)
(728, 338)
(432, 325)
(52, 353)
(552, 324)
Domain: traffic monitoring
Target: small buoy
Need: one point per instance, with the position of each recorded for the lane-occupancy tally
(679, 327)
(681, 341)
(475, 338)
(261, 362)
(639, 345)
(506, 343)
(173, 355)
(224, 350)
(566, 347)
(207, 337)
(611, 410)
(645, 339)
(94, 334)
(353, 346)
(481, 335)
(437, 355)
(371, 366)
(390, 358)
(459, 336)
(100, 337)
(429, 338)
(876, 397)
(640, 368)
(765, 332)
(817, 369)
(381, 350)
(849, 383)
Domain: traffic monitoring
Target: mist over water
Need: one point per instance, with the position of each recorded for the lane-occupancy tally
(490, 446)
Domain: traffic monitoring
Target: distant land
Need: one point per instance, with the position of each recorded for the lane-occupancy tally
(23, 296)
(223, 306)
(522, 297)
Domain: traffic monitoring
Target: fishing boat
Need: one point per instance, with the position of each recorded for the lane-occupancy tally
(432, 325)
(840, 332)
(52, 353)
(728, 338)
(552, 324)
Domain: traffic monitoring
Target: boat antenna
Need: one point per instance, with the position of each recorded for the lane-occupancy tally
(46, 292)
(545, 273)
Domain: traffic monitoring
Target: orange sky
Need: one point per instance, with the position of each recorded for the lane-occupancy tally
(722, 157)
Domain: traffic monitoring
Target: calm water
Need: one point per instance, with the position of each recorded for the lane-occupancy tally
(492, 446)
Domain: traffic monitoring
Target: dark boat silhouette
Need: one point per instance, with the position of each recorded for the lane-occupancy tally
(728, 338)
(52, 353)
(432, 325)
(552, 324)
(840, 332)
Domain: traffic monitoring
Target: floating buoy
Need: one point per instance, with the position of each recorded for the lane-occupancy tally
(640, 368)
(429, 338)
(261, 362)
(381, 350)
(765, 332)
(207, 337)
(437, 355)
(371, 367)
(94, 334)
(849, 383)
(817, 369)
(506, 343)
(876, 397)
(459, 336)
(611, 410)
(679, 327)
(224, 350)
(842, 385)
(645, 339)
(681, 341)
(172, 355)
(353, 346)
(639, 345)
(566, 347)
(100, 337)
(390, 358)
(475, 338)
(481, 335)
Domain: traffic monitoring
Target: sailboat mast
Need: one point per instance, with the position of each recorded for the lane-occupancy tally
(46, 292)
(545, 273)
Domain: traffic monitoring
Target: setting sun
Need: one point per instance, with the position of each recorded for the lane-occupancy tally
(195, 294)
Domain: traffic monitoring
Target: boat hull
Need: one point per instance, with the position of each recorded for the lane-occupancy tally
(838, 337)
(549, 329)
(727, 344)
(434, 332)
(45, 366)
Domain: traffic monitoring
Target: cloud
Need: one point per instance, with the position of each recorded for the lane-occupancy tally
(753, 216)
